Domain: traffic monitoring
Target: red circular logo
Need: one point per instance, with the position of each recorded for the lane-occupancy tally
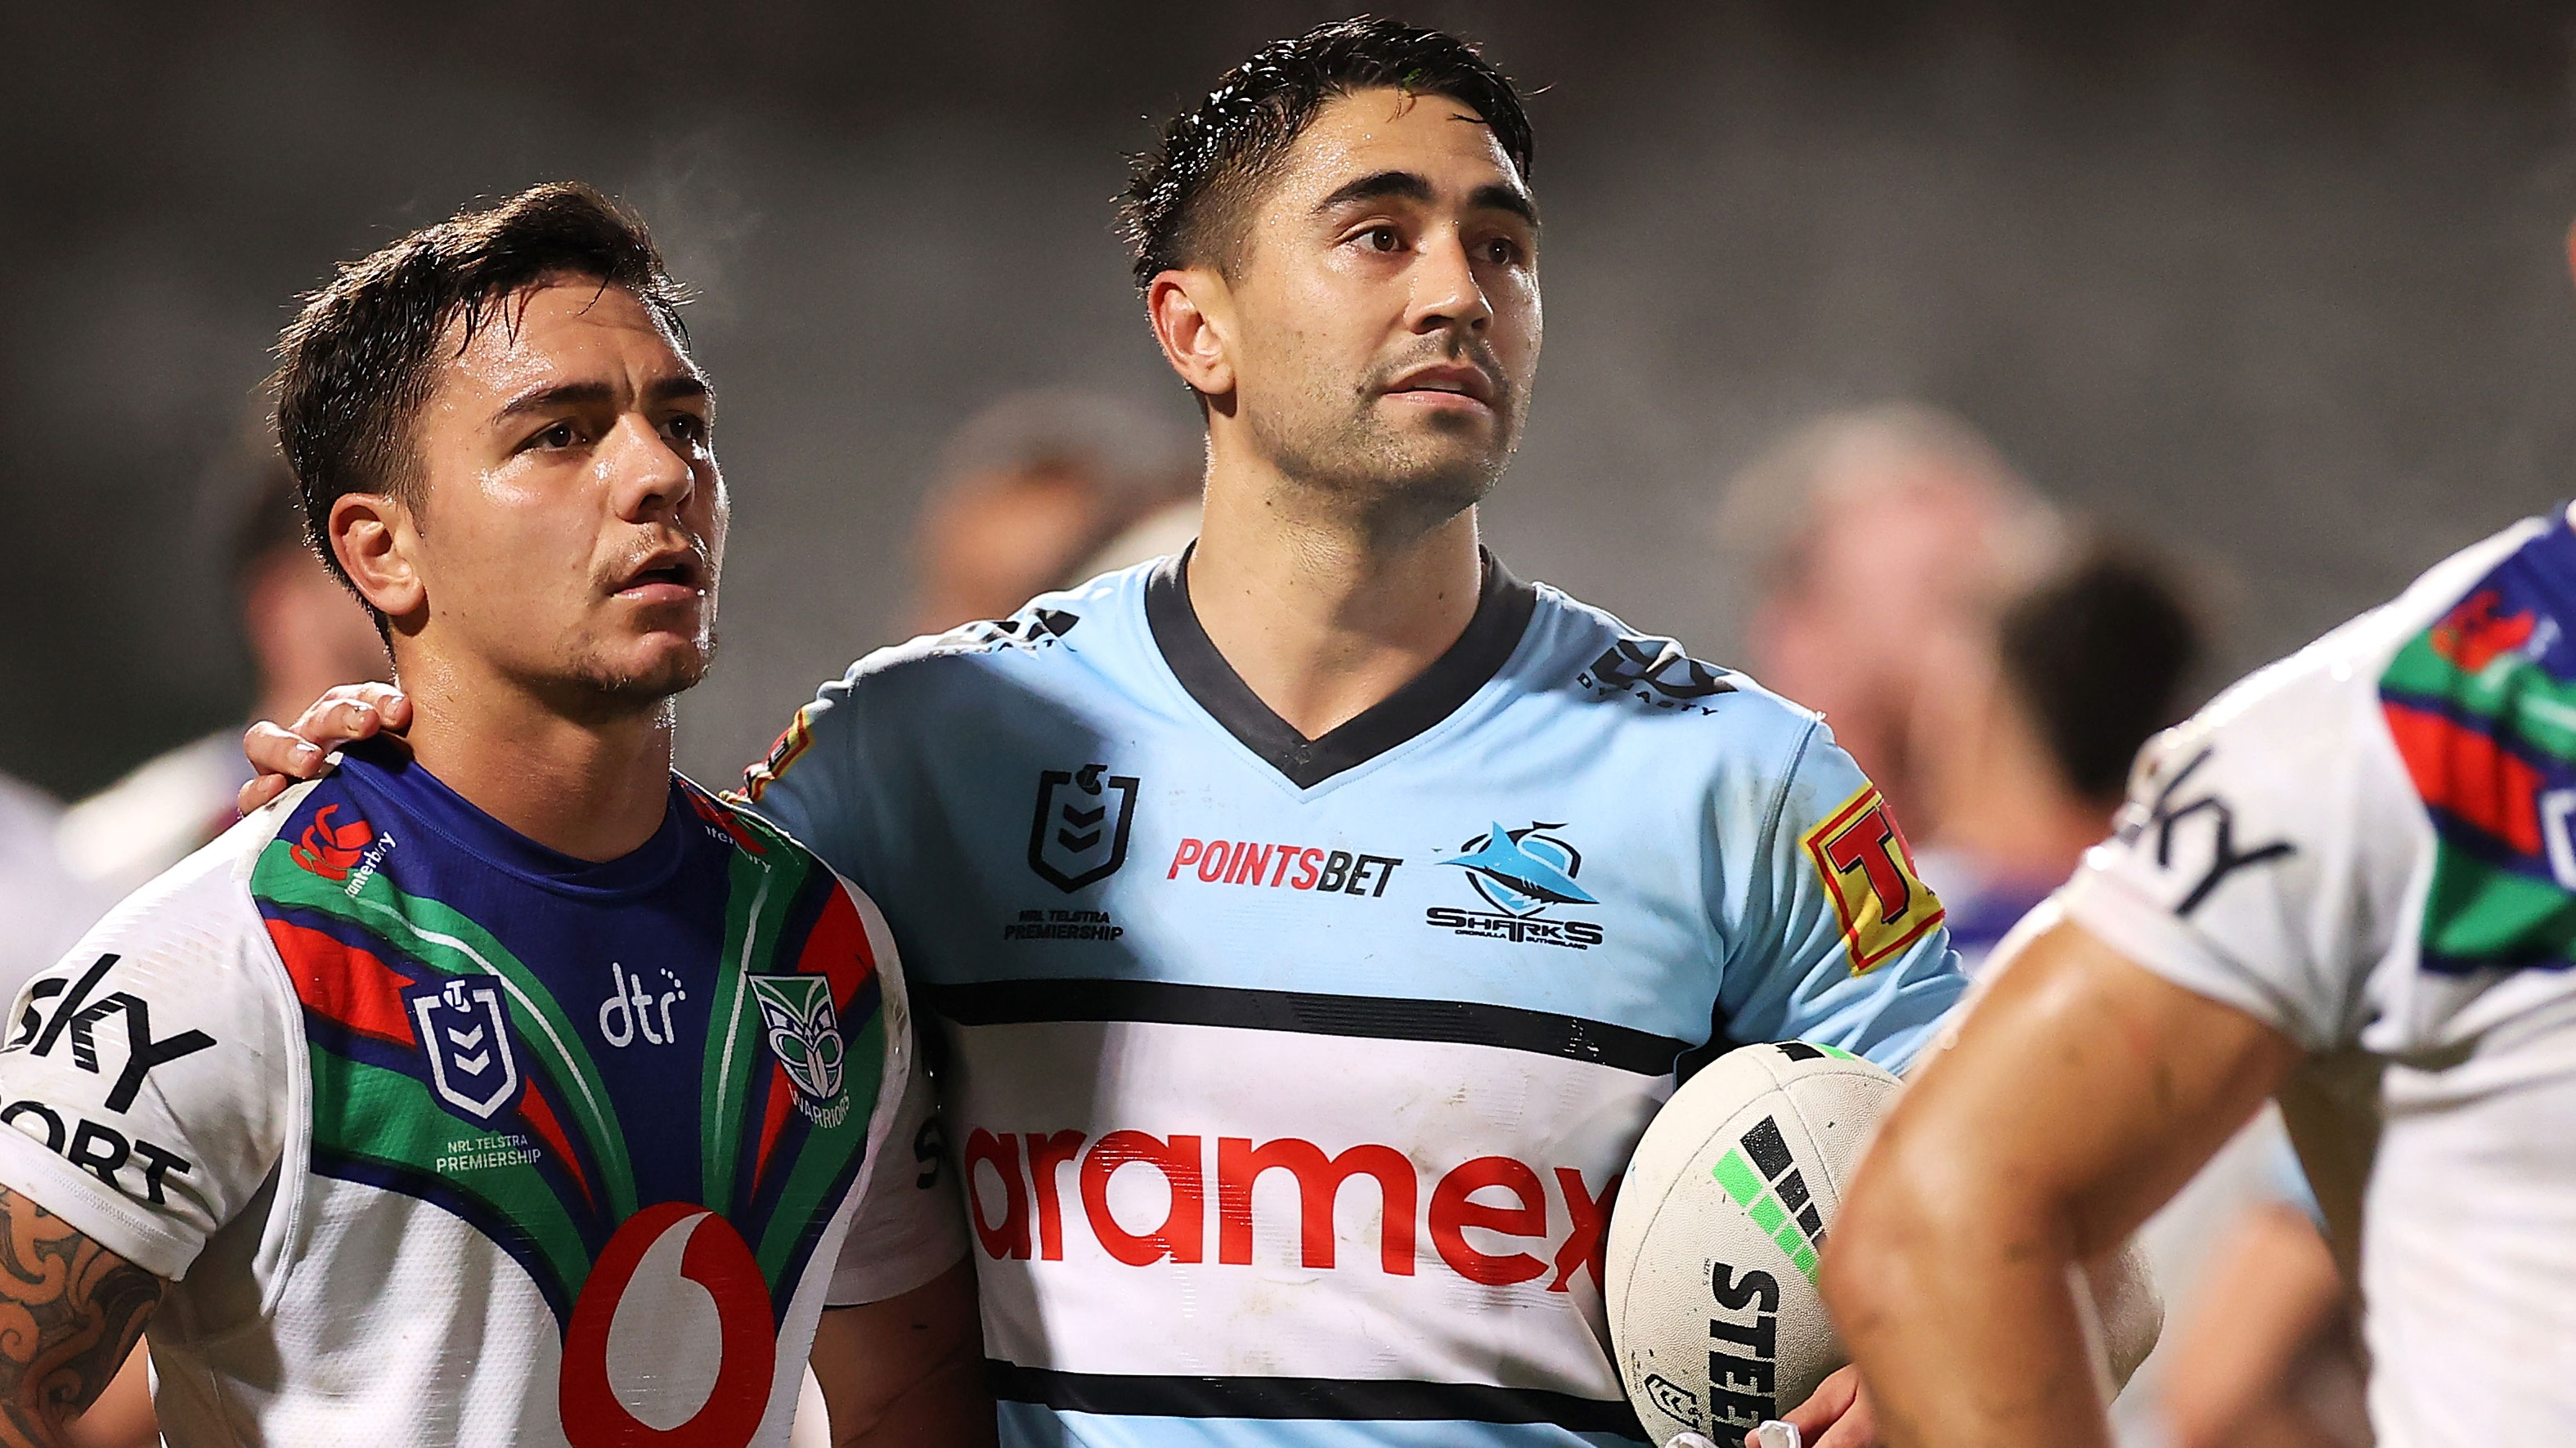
(716, 1258)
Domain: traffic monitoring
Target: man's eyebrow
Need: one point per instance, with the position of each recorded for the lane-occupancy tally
(1374, 187)
(1497, 196)
(591, 394)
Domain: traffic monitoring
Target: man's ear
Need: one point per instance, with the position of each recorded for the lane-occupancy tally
(1192, 311)
(372, 536)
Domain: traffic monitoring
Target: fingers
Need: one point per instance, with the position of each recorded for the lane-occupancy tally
(272, 750)
(1834, 1399)
(352, 712)
(260, 791)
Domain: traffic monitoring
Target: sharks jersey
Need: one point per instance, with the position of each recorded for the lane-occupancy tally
(1291, 1080)
(2368, 847)
(438, 1136)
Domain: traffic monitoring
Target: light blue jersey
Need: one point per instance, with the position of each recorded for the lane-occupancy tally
(1291, 1081)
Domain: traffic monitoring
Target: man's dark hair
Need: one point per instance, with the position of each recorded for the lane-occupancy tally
(2100, 654)
(1184, 198)
(359, 361)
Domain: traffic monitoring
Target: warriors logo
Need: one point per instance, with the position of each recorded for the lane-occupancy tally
(805, 1036)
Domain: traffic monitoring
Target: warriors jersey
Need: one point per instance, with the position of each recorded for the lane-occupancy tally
(2368, 848)
(1291, 1080)
(438, 1136)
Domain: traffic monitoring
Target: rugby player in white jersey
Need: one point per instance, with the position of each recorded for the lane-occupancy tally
(1313, 921)
(508, 1090)
(2350, 882)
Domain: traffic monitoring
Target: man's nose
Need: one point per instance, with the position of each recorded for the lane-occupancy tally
(1446, 292)
(647, 475)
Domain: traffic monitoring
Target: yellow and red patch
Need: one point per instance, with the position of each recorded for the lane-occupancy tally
(1868, 869)
(792, 741)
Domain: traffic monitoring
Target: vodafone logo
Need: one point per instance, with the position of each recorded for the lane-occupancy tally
(1027, 1190)
(672, 1344)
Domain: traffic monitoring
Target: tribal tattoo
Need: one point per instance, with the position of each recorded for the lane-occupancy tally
(70, 1312)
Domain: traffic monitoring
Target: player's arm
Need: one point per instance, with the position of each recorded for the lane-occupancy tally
(2082, 1091)
(70, 1312)
(907, 1370)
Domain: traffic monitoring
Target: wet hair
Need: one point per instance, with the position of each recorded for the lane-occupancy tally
(359, 361)
(2100, 654)
(1185, 197)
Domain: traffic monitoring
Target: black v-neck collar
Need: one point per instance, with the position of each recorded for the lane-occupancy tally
(1503, 608)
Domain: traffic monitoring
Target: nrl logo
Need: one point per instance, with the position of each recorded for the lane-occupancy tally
(1080, 834)
(805, 1036)
(465, 1032)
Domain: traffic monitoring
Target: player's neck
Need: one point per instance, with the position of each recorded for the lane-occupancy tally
(594, 788)
(1322, 617)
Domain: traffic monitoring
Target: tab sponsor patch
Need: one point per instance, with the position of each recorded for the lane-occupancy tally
(1868, 869)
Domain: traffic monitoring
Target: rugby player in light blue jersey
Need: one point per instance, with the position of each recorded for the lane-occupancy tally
(1312, 921)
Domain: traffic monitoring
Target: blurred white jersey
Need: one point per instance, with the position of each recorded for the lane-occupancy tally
(2367, 846)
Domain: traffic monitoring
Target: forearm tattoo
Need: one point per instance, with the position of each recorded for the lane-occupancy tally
(70, 1311)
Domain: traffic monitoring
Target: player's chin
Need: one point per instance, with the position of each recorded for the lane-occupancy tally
(655, 665)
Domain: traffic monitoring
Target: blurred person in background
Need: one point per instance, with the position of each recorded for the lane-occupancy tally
(2031, 728)
(304, 633)
(2270, 1354)
(45, 906)
(1866, 533)
(1040, 491)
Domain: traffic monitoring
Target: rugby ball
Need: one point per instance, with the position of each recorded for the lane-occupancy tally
(1711, 1281)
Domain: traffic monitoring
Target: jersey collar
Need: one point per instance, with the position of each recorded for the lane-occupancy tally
(1503, 608)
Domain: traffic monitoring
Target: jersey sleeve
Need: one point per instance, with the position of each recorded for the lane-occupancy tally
(808, 783)
(2257, 855)
(146, 1077)
(910, 1224)
(1841, 942)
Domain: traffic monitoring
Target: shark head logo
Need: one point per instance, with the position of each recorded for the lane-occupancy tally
(1523, 871)
(803, 1032)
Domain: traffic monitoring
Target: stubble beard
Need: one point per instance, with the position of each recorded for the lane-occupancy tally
(1387, 482)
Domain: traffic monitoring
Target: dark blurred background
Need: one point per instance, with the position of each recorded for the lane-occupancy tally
(2282, 286)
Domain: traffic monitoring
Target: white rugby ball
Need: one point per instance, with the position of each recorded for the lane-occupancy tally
(1711, 1289)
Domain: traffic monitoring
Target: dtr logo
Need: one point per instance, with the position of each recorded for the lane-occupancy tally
(1080, 834)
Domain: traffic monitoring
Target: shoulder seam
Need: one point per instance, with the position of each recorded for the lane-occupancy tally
(1788, 779)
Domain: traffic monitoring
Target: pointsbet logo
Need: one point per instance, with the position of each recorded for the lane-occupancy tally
(1283, 867)
(1030, 1191)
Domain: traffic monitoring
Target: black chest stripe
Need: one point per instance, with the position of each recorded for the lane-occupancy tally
(1463, 1023)
(1350, 1400)
(1503, 608)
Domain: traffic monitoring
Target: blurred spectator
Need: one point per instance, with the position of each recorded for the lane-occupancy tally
(46, 907)
(1867, 533)
(2270, 1354)
(305, 633)
(2026, 746)
(1042, 490)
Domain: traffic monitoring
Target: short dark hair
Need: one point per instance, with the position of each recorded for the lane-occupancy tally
(356, 364)
(1213, 154)
(2100, 654)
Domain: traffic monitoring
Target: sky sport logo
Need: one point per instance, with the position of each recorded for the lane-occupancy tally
(1522, 874)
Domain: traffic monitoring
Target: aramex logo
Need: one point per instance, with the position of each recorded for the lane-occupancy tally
(1021, 1204)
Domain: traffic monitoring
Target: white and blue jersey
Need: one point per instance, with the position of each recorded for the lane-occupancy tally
(1291, 1081)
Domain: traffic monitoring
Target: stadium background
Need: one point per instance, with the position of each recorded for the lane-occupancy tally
(2282, 285)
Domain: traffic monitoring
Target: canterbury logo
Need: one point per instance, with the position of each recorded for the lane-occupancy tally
(332, 851)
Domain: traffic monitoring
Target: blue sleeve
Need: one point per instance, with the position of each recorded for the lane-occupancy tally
(809, 784)
(1841, 942)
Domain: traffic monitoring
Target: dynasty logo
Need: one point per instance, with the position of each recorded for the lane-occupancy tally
(1521, 874)
(1656, 673)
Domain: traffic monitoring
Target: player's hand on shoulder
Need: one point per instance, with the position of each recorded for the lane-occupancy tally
(286, 753)
(1836, 1415)
(76, 1310)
